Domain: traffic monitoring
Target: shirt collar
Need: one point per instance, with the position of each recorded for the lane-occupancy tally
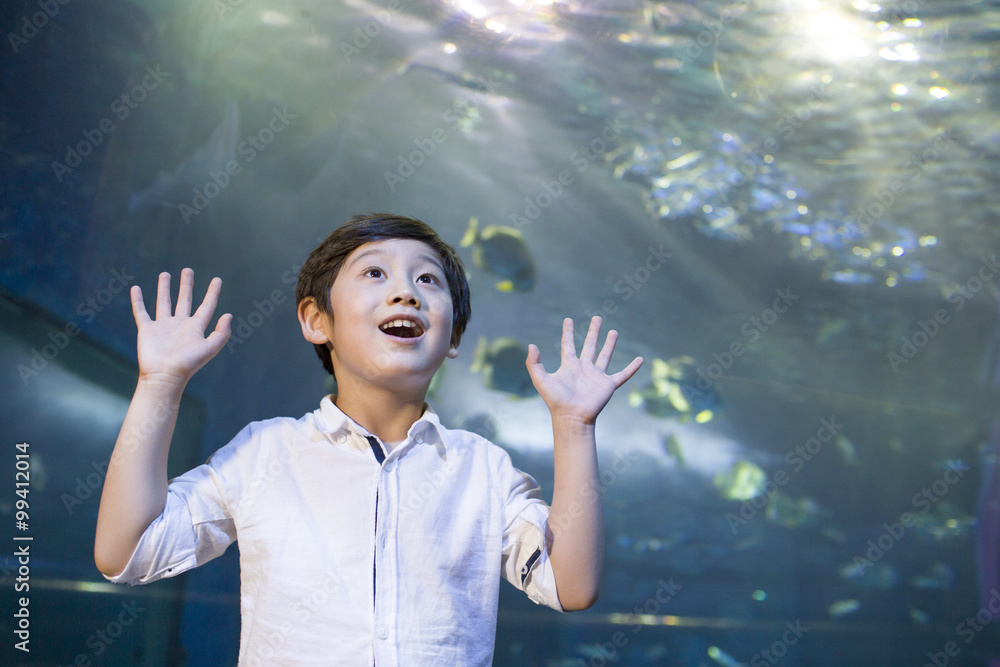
(333, 422)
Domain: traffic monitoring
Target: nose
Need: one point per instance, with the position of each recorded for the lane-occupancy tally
(404, 294)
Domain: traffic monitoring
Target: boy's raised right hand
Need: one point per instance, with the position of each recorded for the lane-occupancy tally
(172, 347)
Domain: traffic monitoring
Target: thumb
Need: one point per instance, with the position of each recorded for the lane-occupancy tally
(534, 362)
(218, 338)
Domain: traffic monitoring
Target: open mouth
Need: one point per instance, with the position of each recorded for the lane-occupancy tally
(402, 328)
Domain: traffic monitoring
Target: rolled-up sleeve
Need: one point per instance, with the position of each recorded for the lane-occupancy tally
(197, 522)
(525, 559)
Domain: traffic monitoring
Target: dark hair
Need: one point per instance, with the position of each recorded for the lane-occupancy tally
(321, 268)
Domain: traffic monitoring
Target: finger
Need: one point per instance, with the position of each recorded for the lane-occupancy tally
(163, 296)
(622, 376)
(534, 363)
(590, 342)
(208, 304)
(218, 338)
(604, 358)
(138, 307)
(567, 347)
(184, 293)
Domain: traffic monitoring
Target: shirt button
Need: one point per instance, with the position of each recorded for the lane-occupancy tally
(419, 439)
(383, 633)
(388, 466)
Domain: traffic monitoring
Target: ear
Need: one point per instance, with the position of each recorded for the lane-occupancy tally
(314, 322)
(456, 338)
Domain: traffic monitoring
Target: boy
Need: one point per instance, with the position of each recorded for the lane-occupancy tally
(369, 533)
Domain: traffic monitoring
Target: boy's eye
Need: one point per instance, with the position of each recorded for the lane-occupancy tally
(429, 278)
(373, 272)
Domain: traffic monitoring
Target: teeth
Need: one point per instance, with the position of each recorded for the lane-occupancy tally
(400, 323)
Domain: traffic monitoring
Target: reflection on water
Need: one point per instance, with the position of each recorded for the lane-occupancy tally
(793, 203)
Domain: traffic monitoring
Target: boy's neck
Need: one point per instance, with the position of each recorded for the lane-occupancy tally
(383, 413)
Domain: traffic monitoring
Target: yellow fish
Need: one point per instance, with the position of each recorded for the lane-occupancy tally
(501, 251)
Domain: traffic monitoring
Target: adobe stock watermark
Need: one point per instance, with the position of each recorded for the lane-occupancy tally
(138, 435)
(263, 652)
(431, 485)
(892, 533)
(779, 648)
(967, 629)
(248, 150)
(244, 327)
(926, 330)
(866, 215)
(277, 465)
(580, 158)
(30, 25)
(606, 652)
(363, 35)
(426, 146)
(223, 7)
(797, 459)
(87, 309)
(629, 284)
(713, 29)
(752, 330)
(104, 636)
(121, 107)
(86, 487)
(762, 155)
(899, 11)
(592, 493)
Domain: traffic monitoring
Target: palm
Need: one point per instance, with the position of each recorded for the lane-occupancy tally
(174, 346)
(581, 386)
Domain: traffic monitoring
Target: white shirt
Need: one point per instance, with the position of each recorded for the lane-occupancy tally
(348, 561)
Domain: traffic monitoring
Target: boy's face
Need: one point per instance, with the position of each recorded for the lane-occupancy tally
(392, 316)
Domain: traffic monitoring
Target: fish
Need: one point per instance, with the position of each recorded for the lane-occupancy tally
(848, 452)
(502, 251)
(502, 365)
(170, 189)
(939, 577)
(945, 522)
(843, 607)
(832, 329)
(676, 391)
(743, 481)
(789, 512)
(879, 575)
(39, 472)
(684, 160)
(834, 535)
(673, 447)
(723, 658)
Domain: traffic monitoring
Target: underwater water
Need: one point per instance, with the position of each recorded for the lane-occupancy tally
(788, 208)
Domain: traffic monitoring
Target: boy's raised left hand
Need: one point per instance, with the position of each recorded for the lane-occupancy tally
(581, 387)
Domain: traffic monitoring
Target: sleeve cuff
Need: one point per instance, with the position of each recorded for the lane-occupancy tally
(533, 568)
(165, 549)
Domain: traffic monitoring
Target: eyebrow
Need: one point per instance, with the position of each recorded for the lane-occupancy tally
(377, 251)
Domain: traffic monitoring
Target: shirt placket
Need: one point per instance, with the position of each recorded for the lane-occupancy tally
(385, 567)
